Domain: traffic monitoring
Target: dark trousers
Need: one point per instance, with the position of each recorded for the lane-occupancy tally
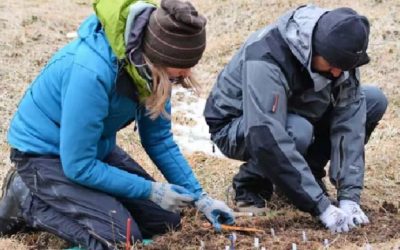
(83, 216)
(312, 141)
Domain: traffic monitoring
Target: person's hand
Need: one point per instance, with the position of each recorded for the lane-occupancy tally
(216, 211)
(353, 210)
(335, 219)
(171, 197)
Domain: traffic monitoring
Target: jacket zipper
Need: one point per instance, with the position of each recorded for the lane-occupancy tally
(138, 116)
(341, 159)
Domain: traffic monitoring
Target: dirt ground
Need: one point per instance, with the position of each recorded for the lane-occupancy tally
(32, 30)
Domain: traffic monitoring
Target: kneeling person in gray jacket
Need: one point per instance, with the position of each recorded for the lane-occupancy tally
(289, 101)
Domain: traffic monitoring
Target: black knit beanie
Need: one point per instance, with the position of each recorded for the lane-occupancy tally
(341, 37)
(175, 35)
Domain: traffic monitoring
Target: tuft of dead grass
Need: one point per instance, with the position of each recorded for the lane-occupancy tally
(7, 244)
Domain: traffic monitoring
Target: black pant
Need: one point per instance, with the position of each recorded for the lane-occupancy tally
(83, 216)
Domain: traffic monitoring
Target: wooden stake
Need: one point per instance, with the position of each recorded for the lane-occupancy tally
(232, 238)
(272, 233)
(256, 243)
(202, 245)
(304, 236)
(128, 233)
(235, 228)
(243, 229)
(326, 244)
(243, 214)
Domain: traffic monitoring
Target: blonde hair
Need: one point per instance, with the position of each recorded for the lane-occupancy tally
(161, 89)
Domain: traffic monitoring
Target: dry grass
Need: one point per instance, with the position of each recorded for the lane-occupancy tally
(12, 244)
(32, 30)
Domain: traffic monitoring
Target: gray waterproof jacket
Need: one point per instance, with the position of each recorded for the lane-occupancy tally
(269, 77)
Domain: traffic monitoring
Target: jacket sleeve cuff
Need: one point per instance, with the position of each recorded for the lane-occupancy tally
(146, 189)
(322, 205)
(346, 196)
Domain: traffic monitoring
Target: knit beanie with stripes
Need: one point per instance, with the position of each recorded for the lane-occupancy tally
(175, 35)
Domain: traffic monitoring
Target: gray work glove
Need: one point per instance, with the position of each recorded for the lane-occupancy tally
(335, 219)
(216, 211)
(355, 213)
(171, 197)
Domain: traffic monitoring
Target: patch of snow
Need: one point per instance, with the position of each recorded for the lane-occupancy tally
(192, 138)
(72, 34)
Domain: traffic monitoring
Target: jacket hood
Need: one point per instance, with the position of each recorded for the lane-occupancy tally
(88, 33)
(116, 16)
(124, 22)
(137, 20)
(296, 28)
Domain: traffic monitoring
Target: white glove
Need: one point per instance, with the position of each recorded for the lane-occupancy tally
(171, 197)
(216, 211)
(335, 219)
(353, 210)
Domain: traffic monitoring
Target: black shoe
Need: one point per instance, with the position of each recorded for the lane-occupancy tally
(248, 201)
(279, 192)
(14, 192)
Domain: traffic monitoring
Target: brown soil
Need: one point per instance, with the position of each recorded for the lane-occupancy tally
(288, 226)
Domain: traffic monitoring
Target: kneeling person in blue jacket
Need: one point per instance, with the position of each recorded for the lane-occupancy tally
(289, 101)
(73, 180)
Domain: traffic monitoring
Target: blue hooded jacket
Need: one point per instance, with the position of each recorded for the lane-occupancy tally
(73, 110)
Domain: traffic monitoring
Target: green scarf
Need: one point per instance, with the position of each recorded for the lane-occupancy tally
(112, 15)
